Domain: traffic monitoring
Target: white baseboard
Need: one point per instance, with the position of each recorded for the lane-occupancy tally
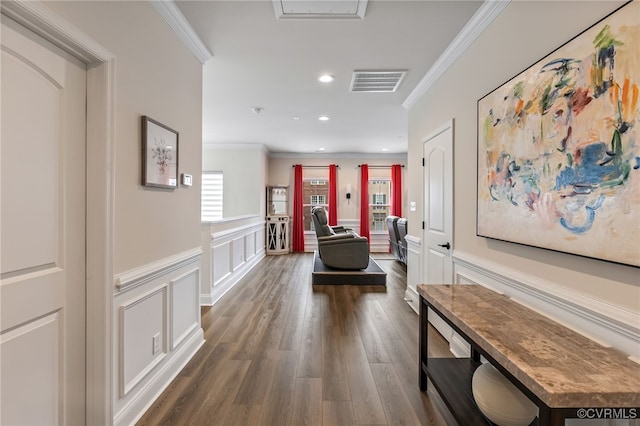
(133, 411)
(459, 347)
(413, 299)
(230, 280)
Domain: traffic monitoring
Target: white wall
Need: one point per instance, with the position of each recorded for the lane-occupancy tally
(521, 35)
(156, 248)
(157, 76)
(244, 170)
(235, 244)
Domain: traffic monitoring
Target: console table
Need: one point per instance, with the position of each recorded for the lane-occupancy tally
(564, 373)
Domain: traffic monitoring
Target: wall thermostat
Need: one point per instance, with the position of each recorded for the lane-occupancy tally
(187, 180)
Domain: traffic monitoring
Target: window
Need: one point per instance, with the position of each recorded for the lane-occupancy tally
(379, 203)
(316, 193)
(318, 200)
(212, 191)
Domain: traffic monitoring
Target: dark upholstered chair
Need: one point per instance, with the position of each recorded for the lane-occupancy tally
(402, 243)
(392, 226)
(339, 247)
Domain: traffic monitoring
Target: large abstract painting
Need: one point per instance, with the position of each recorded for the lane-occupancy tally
(558, 153)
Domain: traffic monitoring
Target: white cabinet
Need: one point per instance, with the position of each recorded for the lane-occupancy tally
(277, 219)
(277, 234)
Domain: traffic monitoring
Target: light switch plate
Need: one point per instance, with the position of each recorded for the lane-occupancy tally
(187, 180)
(412, 206)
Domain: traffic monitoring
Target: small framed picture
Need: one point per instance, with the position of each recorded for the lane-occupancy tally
(159, 155)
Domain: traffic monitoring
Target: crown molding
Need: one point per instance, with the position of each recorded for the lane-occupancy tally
(176, 20)
(479, 22)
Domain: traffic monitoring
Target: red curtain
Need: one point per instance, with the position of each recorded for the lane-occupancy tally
(396, 190)
(333, 196)
(298, 210)
(364, 200)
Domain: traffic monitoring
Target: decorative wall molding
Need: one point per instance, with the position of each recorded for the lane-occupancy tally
(183, 323)
(230, 254)
(151, 271)
(479, 22)
(234, 233)
(414, 271)
(127, 379)
(231, 219)
(151, 390)
(157, 321)
(230, 280)
(176, 20)
(605, 323)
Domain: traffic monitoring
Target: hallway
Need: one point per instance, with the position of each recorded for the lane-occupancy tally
(279, 351)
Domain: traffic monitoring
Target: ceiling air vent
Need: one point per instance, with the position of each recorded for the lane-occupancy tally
(376, 81)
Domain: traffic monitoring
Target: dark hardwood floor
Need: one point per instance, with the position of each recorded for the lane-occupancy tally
(280, 351)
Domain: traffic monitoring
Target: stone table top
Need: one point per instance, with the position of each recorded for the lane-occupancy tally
(563, 368)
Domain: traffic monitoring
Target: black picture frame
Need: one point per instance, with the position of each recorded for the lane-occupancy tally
(159, 154)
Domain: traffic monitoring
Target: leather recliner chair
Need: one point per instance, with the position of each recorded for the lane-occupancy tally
(402, 242)
(339, 247)
(392, 227)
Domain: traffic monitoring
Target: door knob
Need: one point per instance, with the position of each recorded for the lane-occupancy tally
(447, 246)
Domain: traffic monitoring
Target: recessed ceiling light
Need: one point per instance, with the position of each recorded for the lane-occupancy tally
(323, 118)
(385, 149)
(320, 149)
(326, 78)
(256, 109)
(296, 118)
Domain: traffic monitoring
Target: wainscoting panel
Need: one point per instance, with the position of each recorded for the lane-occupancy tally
(157, 325)
(610, 325)
(238, 253)
(185, 302)
(221, 265)
(414, 272)
(233, 252)
(249, 246)
(142, 340)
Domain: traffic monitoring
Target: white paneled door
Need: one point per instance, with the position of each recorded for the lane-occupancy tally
(42, 256)
(438, 212)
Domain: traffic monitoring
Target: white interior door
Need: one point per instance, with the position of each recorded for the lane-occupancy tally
(438, 212)
(42, 261)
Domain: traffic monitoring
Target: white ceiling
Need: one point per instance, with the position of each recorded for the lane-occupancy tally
(260, 61)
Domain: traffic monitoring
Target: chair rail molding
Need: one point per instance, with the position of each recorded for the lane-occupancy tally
(151, 271)
(605, 323)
